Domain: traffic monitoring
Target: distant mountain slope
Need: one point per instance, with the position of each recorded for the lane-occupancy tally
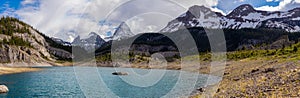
(235, 39)
(62, 42)
(22, 44)
(244, 16)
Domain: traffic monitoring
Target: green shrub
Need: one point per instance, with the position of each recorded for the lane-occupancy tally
(16, 41)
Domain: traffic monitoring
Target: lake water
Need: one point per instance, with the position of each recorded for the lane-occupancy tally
(95, 82)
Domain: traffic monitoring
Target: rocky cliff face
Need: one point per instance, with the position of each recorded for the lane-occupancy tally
(14, 54)
(20, 43)
(60, 53)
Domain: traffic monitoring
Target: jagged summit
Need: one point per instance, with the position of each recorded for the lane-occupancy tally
(122, 32)
(91, 43)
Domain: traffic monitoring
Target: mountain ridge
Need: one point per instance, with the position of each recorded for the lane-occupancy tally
(244, 16)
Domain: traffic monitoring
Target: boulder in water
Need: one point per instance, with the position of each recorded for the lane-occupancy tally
(3, 89)
(120, 73)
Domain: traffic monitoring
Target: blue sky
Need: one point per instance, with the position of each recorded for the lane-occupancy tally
(15, 4)
(59, 18)
(228, 5)
(9, 6)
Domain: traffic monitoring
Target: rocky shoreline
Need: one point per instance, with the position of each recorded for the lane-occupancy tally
(14, 70)
(259, 78)
(242, 78)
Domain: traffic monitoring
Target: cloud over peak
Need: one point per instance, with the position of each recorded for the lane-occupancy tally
(67, 19)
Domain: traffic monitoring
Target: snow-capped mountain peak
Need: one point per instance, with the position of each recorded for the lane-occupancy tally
(196, 16)
(91, 43)
(244, 16)
(122, 32)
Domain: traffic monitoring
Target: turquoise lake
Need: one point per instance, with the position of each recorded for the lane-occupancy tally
(92, 82)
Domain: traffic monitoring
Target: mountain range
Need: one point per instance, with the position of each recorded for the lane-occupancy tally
(94, 41)
(244, 28)
(244, 16)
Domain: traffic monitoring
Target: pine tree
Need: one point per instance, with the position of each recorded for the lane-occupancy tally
(295, 49)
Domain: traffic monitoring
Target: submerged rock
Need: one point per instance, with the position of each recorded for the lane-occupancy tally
(3, 89)
(120, 73)
(201, 90)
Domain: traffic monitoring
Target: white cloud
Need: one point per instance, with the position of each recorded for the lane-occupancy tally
(272, 0)
(66, 19)
(57, 18)
(189, 3)
(283, 6)
(25, 2)
(239, 1)
(242, 0)
(149, 22)
(218, 10)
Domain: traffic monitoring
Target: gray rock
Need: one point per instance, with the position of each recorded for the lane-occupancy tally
(3, 89)
(120, 73)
